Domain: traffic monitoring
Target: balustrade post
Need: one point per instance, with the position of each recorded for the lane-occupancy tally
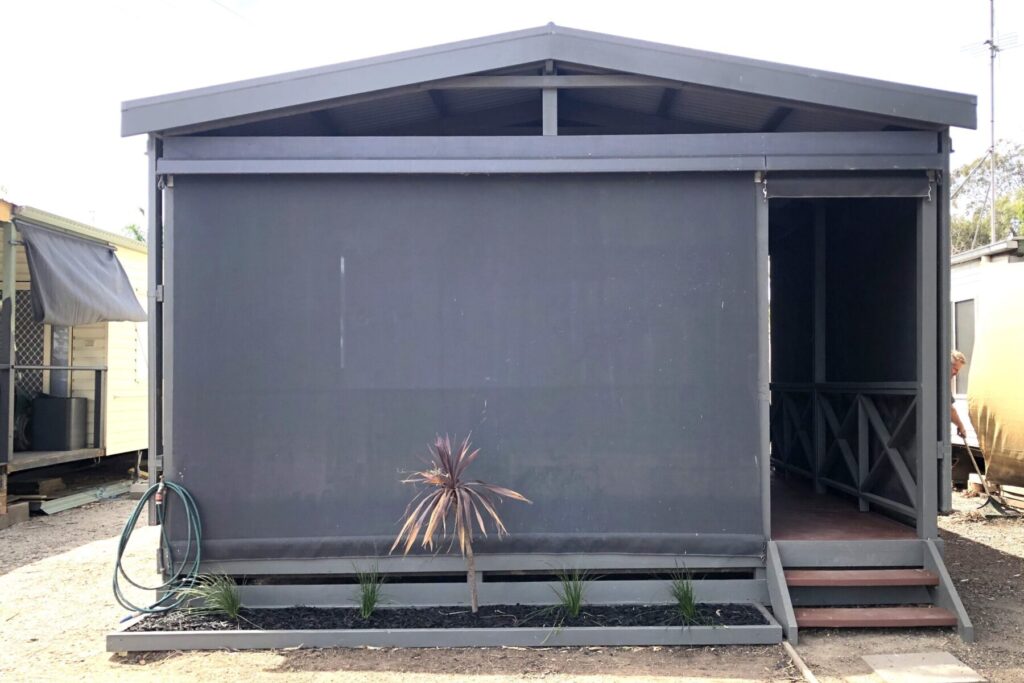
(862, 451)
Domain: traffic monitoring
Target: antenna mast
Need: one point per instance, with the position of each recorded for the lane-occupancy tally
(993, 50)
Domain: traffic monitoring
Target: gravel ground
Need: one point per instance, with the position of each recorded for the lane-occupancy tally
(56, 605)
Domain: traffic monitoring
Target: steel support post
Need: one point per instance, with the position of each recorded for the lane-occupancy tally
(549, 103)
(820, 374)
(7, 359)
(154, 246)
(945, 482)
(764, 361)
(927, 381)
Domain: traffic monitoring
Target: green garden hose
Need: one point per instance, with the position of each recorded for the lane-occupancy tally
(183, 575)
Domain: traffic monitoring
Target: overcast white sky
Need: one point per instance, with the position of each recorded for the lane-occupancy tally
(66, 65)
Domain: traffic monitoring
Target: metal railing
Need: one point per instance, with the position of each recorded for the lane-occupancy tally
(858, 438)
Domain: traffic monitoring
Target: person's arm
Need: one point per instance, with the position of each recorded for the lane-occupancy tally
(961, 431)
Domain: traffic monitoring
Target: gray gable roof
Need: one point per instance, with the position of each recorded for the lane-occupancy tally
(299, 91)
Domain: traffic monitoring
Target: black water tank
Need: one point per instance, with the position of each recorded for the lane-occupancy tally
(58, 423)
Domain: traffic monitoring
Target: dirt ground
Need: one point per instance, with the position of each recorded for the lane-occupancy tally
(56, 605)
(986, 559)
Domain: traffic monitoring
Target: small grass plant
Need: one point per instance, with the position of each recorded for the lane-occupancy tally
(214, 594)
(571, 591)
(371, 589)
(685, 596)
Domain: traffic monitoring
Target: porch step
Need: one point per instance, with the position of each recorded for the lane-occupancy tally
(860, 577)
(873, 617)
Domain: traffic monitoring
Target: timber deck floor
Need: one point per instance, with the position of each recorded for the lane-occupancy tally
(29, 460)
(800, 514)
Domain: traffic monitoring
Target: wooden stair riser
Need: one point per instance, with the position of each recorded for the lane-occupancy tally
(837, 596)
(879, 577)
(873, 617)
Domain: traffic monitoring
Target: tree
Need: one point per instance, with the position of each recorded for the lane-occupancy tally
(135, 232)
(972, 200)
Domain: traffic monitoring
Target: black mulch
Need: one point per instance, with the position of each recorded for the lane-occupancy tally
(497, 616)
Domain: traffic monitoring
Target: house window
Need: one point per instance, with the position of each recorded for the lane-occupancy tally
(963, 339)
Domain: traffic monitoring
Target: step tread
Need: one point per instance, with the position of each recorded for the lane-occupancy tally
(873, 617)
(860, 577)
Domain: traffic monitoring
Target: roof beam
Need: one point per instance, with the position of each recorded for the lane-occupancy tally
(552, 81)
(553, 154)
(325, 120)
(481, 122)
(599, 115)
(668, 99)
(437, 97)
(549, 103)
(775, 120)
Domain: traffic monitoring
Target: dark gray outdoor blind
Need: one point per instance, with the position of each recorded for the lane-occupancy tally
(831, 185)
(597, 335)
(76, 281)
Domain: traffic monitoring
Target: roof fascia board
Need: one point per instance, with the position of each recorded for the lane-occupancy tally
(768, 79)
(1011, 245)
(331, 83)
(49, 220)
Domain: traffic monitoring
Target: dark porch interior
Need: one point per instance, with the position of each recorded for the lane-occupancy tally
(844, 354)
(799, 513)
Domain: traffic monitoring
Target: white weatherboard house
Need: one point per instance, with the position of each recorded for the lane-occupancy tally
(75, 379)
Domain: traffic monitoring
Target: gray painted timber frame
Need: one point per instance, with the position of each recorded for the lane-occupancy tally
(766, 152)
(135, 641)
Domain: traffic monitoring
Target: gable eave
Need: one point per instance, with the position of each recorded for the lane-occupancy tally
(288, 91)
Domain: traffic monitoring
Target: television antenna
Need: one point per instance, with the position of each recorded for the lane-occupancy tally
(1006, 42)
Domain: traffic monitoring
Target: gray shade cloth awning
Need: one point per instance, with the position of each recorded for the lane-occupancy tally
(76, 281)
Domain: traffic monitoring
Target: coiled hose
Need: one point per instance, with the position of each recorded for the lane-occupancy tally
(183, 575)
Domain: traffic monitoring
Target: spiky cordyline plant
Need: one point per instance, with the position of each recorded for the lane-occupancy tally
(448, 496)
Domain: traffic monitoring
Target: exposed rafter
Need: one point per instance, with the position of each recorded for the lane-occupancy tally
(329, 123)
(776, 119)
(668, 100)
(581, 112)
(437, 97)
(553, 81)
(477, 122)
